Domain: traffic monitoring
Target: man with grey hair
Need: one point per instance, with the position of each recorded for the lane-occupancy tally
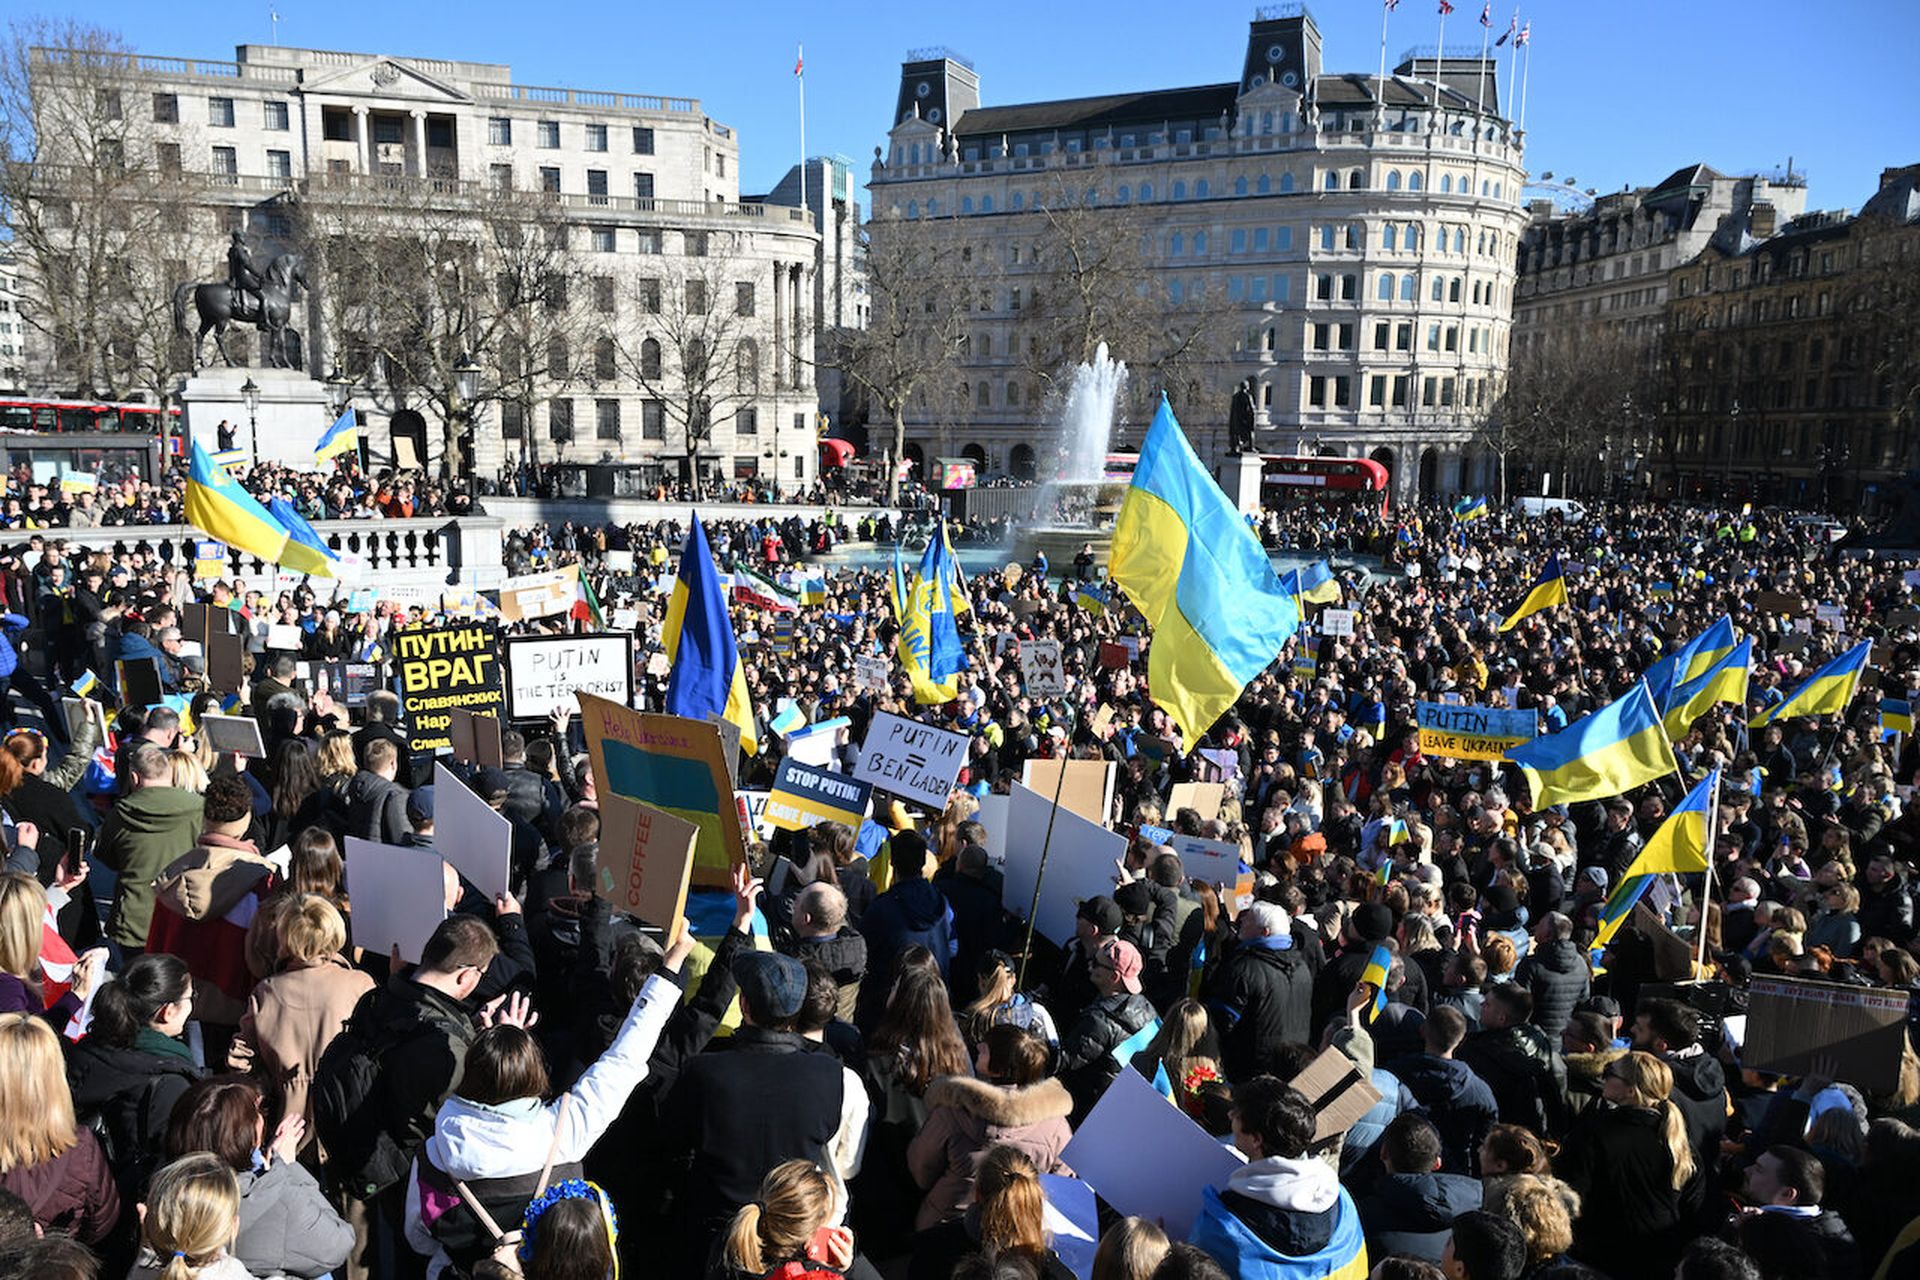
(167, 640)
(1555, 973)
(1738, 924)
(1262, 996)
(822, 935)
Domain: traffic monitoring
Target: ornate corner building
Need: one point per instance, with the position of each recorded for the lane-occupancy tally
(1355, 234)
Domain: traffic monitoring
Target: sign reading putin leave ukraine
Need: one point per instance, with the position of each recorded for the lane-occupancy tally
(1472, 733)
(803, 796)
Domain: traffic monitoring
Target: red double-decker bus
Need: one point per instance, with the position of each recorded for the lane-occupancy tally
(110, 440)
(1288, 481)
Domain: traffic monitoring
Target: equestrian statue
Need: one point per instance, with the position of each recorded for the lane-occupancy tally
(247, 297)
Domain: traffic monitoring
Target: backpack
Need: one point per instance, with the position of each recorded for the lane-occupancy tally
(349, 1104)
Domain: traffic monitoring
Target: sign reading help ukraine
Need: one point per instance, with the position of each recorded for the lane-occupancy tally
(911, 760)
(803, 796)
(672, 763)
(436, 669)
(1472, 733)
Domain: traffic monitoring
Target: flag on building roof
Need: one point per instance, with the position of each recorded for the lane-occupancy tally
(1513, 29)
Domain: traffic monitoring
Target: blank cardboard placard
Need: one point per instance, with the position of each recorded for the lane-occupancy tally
(1792, 1021)
(475, 738)
(1087, 791)
(399, 896)
(286, 636)
(470, 834)
(993, 817)
(226, 661)
(1132, 1119)
(1202, 796)
(1082, 862)
(645, 861)
(78, 711)
(1338, 1091)
(140, 682)
(234, 735)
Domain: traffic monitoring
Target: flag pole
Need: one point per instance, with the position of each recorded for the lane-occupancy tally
(1380, 80)
(1440, 55)
(800, 74)
(1706, 888)
(1526, 71)
(1046, 842)
(1513, 55)
(1486, 33)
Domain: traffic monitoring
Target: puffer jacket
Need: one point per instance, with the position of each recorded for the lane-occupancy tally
(202, 905)
(965, 1117)
(144, 832)
(1557, 975)
(377, 809)
(287, 1227)
(1278, 1219)
(1262, 997)
(1525, 1072)
(131, 1091)
(1413, 1213)
(1087, 1064)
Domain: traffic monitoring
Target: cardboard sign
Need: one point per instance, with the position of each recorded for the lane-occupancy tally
(475, 739)
(1041, 670)
(209, 560)
(619, 562)
(1472, 733)
(1113, 655)
(226, 653)
(871, 674)
(1083, 861)
(1205, 797)
(802, 796)
(1899, 619)
(1336, 622)
(672, 763)
(1102, 721)
(544, 672)
(234, 735)
(141, 684)
(1792, 1021)
(1779, 602)
(1086, 790)
(1223, 763)
(399, 896)
(286, 637)
(1338, 1091)
(471, 834)
(911, 760)
(1214, 861)
(646, 861)
(539, 595)
(78, 711)
(1131, 1119)
(436, 669)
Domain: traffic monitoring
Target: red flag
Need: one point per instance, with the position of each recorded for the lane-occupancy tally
(1446, 7)
(1526, 33)
(1513, 29)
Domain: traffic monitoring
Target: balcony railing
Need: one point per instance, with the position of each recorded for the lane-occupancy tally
(585, 98)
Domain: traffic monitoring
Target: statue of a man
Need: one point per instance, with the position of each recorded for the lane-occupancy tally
(1240, 419)
(242, 278)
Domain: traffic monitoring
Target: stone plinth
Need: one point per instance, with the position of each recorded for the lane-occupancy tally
(295, 411)
(1239, 476)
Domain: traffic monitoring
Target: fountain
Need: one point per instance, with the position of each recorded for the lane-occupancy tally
(1077, 499)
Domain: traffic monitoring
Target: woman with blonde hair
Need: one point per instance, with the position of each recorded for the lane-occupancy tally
(1183, 1048)
(1130, 1250)
(795, 1220)
(23, 912)
(1630, 1163)
(192, 1216)
(188, 773)
(1001, 1002)
(1540, 1207)
(46, 1157)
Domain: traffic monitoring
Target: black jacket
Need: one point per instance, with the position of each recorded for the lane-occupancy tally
(1630, 1221)
(1525, 1072)
(1458, 1102)
(1556, 973)
(430, 1034)
(1413, 1213)
(976, 924)
(131, 1092)
(377, 809)
(1789, 1247)
(527, 797)
(1261, 999)
(1700, 1091)
(911, 912)
(1087, 1064)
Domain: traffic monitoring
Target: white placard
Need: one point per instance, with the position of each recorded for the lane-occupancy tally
(236, 735)
(544, 672)
(284, 635)
(1040, 668)
(1131, 1118)
(914, 761)
(1336, 622)
(870, 673)
(993, 817)
(472, 835)
(619, 562)
(1083, 861)
(399, 896)
(1215, 861)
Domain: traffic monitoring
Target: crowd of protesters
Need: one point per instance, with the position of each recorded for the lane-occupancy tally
(854, 1070)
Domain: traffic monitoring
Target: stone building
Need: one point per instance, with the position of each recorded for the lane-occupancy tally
(12, 325)
(839, 278)
(1357, 234)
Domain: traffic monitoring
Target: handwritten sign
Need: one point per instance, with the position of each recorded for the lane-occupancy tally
(545, 672)
(1336, 622)
(1040, 668)
(1472, 733)
(672, 763)
(911, 760)
(645, 861)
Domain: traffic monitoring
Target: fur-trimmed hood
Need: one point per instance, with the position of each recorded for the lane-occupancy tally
(1002, 1106)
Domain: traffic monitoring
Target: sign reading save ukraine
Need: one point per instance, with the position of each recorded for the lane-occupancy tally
(1472, 733)
(803, 796)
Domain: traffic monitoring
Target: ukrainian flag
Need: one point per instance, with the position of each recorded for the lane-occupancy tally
(1397, 832)
(813, 591)
(1689, 661)
(219, 507)
(1200, 577)
(1548, 590)
(1680, 845)
(1827, 690)
(1619, 903)
(1724, 681)
(1318, 584)
(1896, 714)
(1091, 596)
(305, 552)
(1602, 754)
(1470, 509)
(1290, 588)
(915, 644)
(706, 678)
(342, 437)
(1375, 976)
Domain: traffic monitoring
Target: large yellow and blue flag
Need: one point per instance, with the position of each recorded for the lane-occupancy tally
(1689, 661)
(305, 552)
(1602, 754)
(912, 610)
(1680, 845)
(342, 437)
(706, 677)
(1200, 578)
(1092, 597)
(944, 599)
(1896, 715)
(1724, 681)
(1318, 584)
(1470, 509)
(1826, 691)
(1548, 590)
(218, 506)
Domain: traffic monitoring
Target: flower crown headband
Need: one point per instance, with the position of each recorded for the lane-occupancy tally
(571, 1189)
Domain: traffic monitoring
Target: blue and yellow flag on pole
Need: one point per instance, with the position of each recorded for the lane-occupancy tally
(219, 507)
(342, 437)
(1379, 964)
(305, 552)
(1680, 845)
(1470, 509)
(1200, 578)
(1689, 661)
(1724, 681)
(1548, 590)
(1896, 715)
(912, 609)
(1619, 903)
(1318, 584)
(706, 677)
(1827, 691)
(1608, 752)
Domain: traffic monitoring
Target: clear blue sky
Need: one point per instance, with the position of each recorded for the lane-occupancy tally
(1621, 93)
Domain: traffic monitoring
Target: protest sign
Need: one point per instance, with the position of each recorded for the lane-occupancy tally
(1131, 1118)
(1113, 655)
(993, 817)
(1225, 763)
(226, 653)
(1087, 790)
(1041, 670)
(911, 760)
(1071, 1220)
(752, 808)
(209, 560)
(672, 763)
(1102, 721)
(475, 739)
(539, 595)
(1779, 602)
(471, 834)
(1205, 797)
(1792, 1021)
(1899, 618)
(141, 684)
(348, 682)
(645, 861)
(1336, 622)
(399, 896)
(1214, 861)
(1338, 1091)
(1083, 861)
(802, 796)
(234, 735)
(1472, 733)
(285, 636)
(78, 711)
(1833, 615)
(544, 672)
(619, 562)
(436, 669)
(871, 674)
(815, 749)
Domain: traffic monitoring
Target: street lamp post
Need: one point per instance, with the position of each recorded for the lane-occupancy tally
(466, 377)
(250, 396)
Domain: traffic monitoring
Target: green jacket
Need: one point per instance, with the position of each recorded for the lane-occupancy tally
(141, 837)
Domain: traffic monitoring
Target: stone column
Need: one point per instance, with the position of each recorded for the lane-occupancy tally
(363, 139)
(419, 143)
(775, 304)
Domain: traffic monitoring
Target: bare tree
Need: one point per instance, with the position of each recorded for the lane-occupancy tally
(104, 221)
(1573, 397)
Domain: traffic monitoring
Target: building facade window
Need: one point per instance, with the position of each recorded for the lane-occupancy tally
(606, 419)
(166, 108)
(597, 141)
(560, 421)
(275, 117)
(653, 420)
(499, 131)
(642, 140)
(280, 165)
(220, 113)
(547, 135)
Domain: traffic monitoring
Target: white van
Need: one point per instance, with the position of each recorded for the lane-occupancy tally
(1565, 508)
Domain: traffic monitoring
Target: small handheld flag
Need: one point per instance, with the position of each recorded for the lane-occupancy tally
(342, 437)
(1375, 975)
(1548, 590)
(1896, 715)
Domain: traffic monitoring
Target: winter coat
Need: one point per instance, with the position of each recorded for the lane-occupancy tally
(1280, 1219)
(911, 912)
(72, 1193)
(1086, 1061)
(526, 796)
(226, 1267)
(428, 1034)
(290, 1020)
(1630, 1221)
(1524, 1070)
(287, 1225)
(1818, 1247)
(1586, 1078)
(143, 834)
(508, 1143)
(1700, 1091)
(976, 923)
(1557, 975)
(844, 955)
(940, 1249)
(1886, 912)
(1458, 1102)
(132, 1090)
(203, 903)
(1413, 1213)
(965, 1117)
(1262, 998)
(377, 809)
